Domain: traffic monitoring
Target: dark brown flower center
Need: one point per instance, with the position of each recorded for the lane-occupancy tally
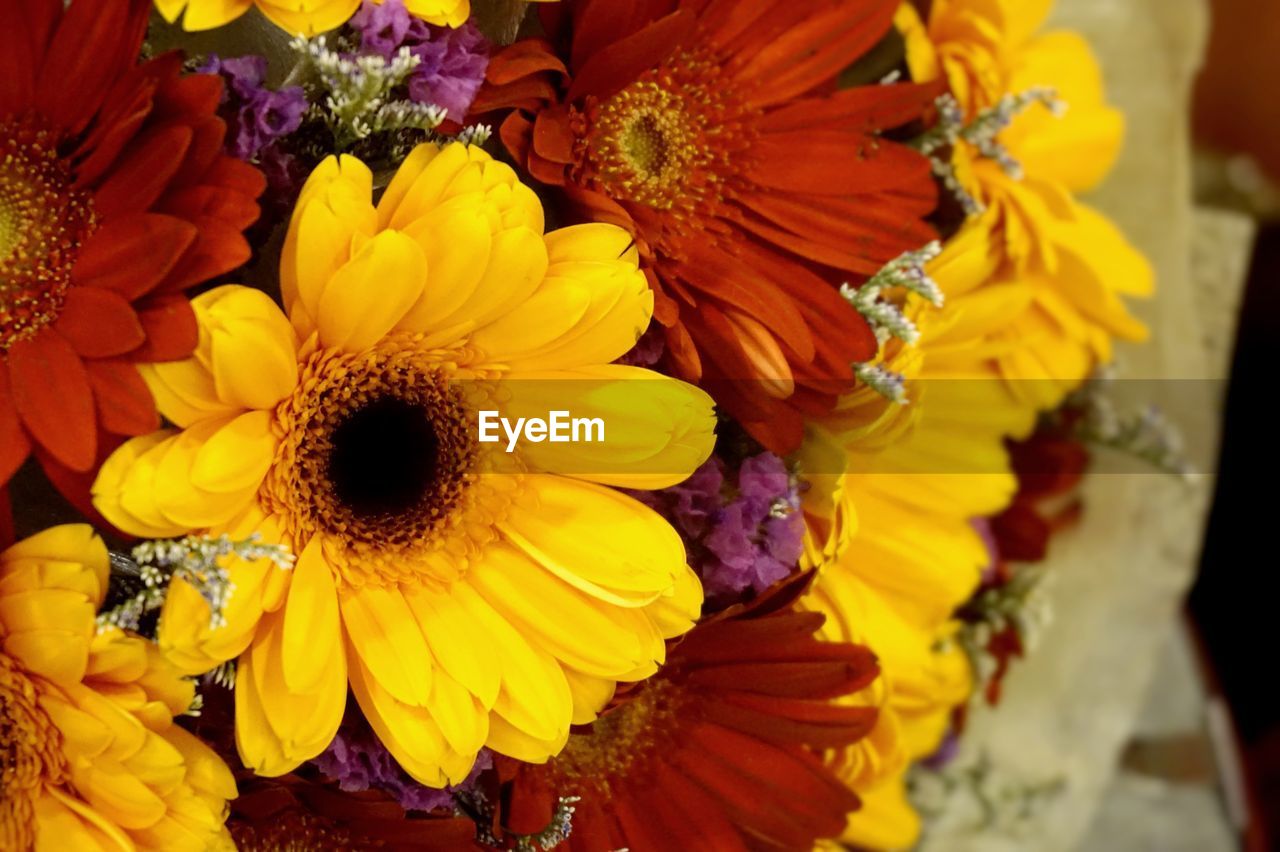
(384, 457)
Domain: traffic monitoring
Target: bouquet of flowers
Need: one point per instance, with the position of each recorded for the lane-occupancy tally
(297, 300)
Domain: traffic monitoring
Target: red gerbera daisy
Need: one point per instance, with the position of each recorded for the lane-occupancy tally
(115, 197)
(712, 130)
(716, 751)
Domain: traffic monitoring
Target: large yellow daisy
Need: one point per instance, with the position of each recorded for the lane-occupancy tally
(469, 595)
(89, 755)
(1074, 265)
(302, 17)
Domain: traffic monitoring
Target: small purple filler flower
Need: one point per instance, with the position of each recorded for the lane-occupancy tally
(453, 60)
(256, 116)
(357, 760)
(743, 528)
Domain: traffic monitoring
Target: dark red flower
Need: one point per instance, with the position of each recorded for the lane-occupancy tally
(713, 131)
(115, 197)
(719, 750)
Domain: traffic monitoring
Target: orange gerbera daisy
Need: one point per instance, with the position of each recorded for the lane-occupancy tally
(716, 751)
(711, 129)
(115, 196)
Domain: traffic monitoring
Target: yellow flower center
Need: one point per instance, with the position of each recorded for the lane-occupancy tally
(646, 145)
(617, 743)
(670, 140)
(378, 456)
(30, 755)
(43, 220)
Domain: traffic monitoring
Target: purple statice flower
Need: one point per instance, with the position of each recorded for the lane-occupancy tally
(742, 528)
(453, 61)
(256, 116)
(357, 760)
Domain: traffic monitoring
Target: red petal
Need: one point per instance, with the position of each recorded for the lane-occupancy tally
(830, 162)
(14, 445)
(805, 44)
(124, 403)
(700, 809)
(195, 96)
(863, 109)
(229, 206)
(718, 274)
(219, 248)
(110, 137)
(19, 58)
(95, 41)
(530, 93)
(51, 392)
(527, 56)
(599, 26)
(816, 724)
(205, 149)
(628, 58)
(778, 637)
(230, 173)
(516, 132)
(142, 174)
(552, 137)
(132, 255)
(171, 329)
(99, 323)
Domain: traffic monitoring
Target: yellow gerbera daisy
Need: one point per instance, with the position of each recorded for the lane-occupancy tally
(893, 489)
(470, 596)
(89, 755)
(1072, 262)
(302, 17)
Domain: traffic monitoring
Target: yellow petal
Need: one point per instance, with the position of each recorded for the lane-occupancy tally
(205, 14)
(619, 550)
(462, 720)
(237, 456)
(409, 733)
(312, 639)
(300, 722)
(591, 269)
(513, 741)
(370, 293)
(656, 430)
(75, 543)
(335, 206)
(590, 695)
(310, 20)
(252, 349)
(455, 240)
(457, 642)
(580, 631)
(534, 696)
(385, 634)
(675, 613)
